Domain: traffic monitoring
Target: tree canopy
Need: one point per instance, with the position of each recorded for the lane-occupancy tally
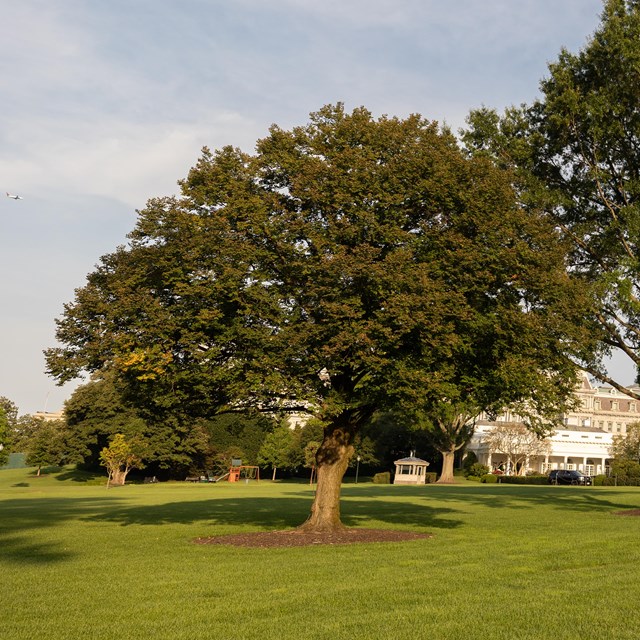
(349, 265)
(576, 153)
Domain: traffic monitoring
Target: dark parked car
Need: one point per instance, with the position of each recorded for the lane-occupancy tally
(566, 476)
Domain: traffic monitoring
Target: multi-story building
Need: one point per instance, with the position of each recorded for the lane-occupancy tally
(583, 441)
(604, 408)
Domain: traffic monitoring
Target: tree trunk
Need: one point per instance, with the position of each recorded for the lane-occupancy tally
(274, 474)
(118, 478)
(332, 460)
(447, 467)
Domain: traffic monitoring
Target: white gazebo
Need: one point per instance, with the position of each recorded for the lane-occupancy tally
(410, 470)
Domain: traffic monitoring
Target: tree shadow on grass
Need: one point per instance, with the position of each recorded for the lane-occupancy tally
(508, 496)
(273, 513)
(426, 509)
(20, 519)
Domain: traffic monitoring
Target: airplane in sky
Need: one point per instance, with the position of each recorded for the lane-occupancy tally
(10, 195)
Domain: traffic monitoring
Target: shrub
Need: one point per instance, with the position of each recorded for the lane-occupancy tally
(477, 469)
(469, 461)
(538, 479)
(599, 481)
(382, 478)
(474, 478)
(489, 478)
(430, 477)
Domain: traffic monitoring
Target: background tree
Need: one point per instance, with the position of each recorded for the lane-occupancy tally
(244, 431)
(627, 447)
(8, 429)
(518, 443)
(100, 409)
(47, 442)
(222, 460)
(4, 437)
(120, 457)
(279, 450)
(310, 453)
(10, 410)
(395, 435)
(576, 153)
(348, 266)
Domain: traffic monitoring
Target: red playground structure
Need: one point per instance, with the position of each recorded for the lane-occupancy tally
(239, 471)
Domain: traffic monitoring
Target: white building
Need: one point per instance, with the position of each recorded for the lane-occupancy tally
(582, 442)
(583, 448)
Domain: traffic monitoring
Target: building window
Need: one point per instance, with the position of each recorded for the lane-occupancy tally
(633, 407)
(614, 405)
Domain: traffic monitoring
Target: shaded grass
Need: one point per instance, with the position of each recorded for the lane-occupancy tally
(505, 561)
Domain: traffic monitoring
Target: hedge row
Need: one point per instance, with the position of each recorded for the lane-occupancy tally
(616, 481)
(491, 478)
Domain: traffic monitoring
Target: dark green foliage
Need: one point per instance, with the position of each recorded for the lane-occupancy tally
(470, 458)
(4, 437)
(100, 409)
(48, 443)
(476, 469)
(430, 477)
(395, 435)
(624, 472)
(243, 431)
(599, 480)
(489, 478)
(575, 152)
(384, 477)
(10, 411)
(359, 243)
(533, 479)
(352, 265)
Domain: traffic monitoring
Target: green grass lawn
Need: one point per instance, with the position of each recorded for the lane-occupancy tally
(506, 561)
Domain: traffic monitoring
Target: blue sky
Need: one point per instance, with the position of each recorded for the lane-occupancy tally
(106, 104)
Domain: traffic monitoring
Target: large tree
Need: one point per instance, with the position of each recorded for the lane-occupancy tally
(349, 265)
(576, 153)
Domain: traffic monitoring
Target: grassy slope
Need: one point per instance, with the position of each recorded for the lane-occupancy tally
(506, 561)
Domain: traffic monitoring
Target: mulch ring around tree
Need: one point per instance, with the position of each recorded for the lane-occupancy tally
(629, 512)
(300, 538)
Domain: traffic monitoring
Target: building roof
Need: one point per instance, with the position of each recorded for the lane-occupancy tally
(411, 460)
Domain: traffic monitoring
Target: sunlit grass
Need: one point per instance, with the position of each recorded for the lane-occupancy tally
(507, 561)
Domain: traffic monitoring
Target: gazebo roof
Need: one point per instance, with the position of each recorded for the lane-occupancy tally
(411, 460)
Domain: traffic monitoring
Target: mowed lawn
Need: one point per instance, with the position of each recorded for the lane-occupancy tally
(81, 561)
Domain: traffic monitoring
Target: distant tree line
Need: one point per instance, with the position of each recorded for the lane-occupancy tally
(96, 415)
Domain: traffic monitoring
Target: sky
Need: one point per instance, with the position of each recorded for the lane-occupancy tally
(107, 104)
